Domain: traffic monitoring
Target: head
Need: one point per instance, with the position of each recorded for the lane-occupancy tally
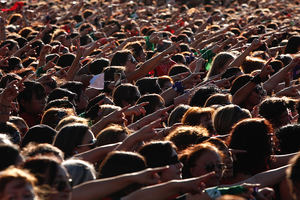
(33, 150)
(112, 134)
(201, 159)
(125, 94)
(275, 110)
(74, 138)
(177, 114)
(196, 116)
(80, 171)
(32, 99)
(202, 94)
(293, 45)
(39, 134)
(10, 155)
(124, 58)
(220, 63)
(226, 116)
(17, 184)
(162, 153)
(255, 137)
(288, 137)
(52, 116)
(218, 99)
(50, 175)
(148, 85)
(293, 176)
(118, 163)
(185, 136)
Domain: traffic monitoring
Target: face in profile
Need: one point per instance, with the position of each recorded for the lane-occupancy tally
(18, 190)
(209, 161)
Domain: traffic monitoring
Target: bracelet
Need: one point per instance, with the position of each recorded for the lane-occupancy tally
(178, 87)
(256, 79)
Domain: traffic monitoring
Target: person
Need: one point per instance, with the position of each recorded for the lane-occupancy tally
(18, 184)
(162, 153)
(51, 176)
(74, 138)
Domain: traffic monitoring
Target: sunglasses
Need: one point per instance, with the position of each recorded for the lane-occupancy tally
(91, 144)
(212, 167)
(62, 185)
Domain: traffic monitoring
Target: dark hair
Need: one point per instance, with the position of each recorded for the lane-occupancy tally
(39, 134)
(239, 82)
(60, 93)
(127, 93)
(9, 155)
(148, 85)
(253, 136)
(177, 113)
(118, 162)
(272, 109)
(31, 88)
(155, 100)
(202, 94)
(178, 69)
(97, 66)
(158, 153)
(69, 137)
(75, 87)
(59, 103)
(293, 45)
(120, 58)
(12, 131)
(66, 60)
(288, 138)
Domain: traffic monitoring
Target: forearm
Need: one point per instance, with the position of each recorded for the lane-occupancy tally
(101, 188)
(242, 94)
(267, 178)
(280, 160)
(97, 153)
(169, 95)
(157, 192)
(73, 69)
(240, 59)
(145, 68)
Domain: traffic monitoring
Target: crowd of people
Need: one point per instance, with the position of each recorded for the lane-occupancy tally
(149, 99)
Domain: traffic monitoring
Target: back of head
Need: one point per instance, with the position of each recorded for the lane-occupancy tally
(44, 149)
(69, 137)
(288, 138)
(148, 86)
(273, 109)
(80, 171)
(185, 136)
(158, 153)
(39, 134)
(10, 155)
(202, 94)
(112, 134)
(225, 117)
(125, 93)
(118, 162)
(177, 114)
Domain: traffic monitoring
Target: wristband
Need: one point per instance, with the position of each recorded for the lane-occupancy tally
(178, 87)
(256, 79)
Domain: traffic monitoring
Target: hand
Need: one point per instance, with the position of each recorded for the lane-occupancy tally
(193, 185)
(117, 117)
(266, 70)
(147, 132)
(137, 110)
(256, 43)
(148, 176)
